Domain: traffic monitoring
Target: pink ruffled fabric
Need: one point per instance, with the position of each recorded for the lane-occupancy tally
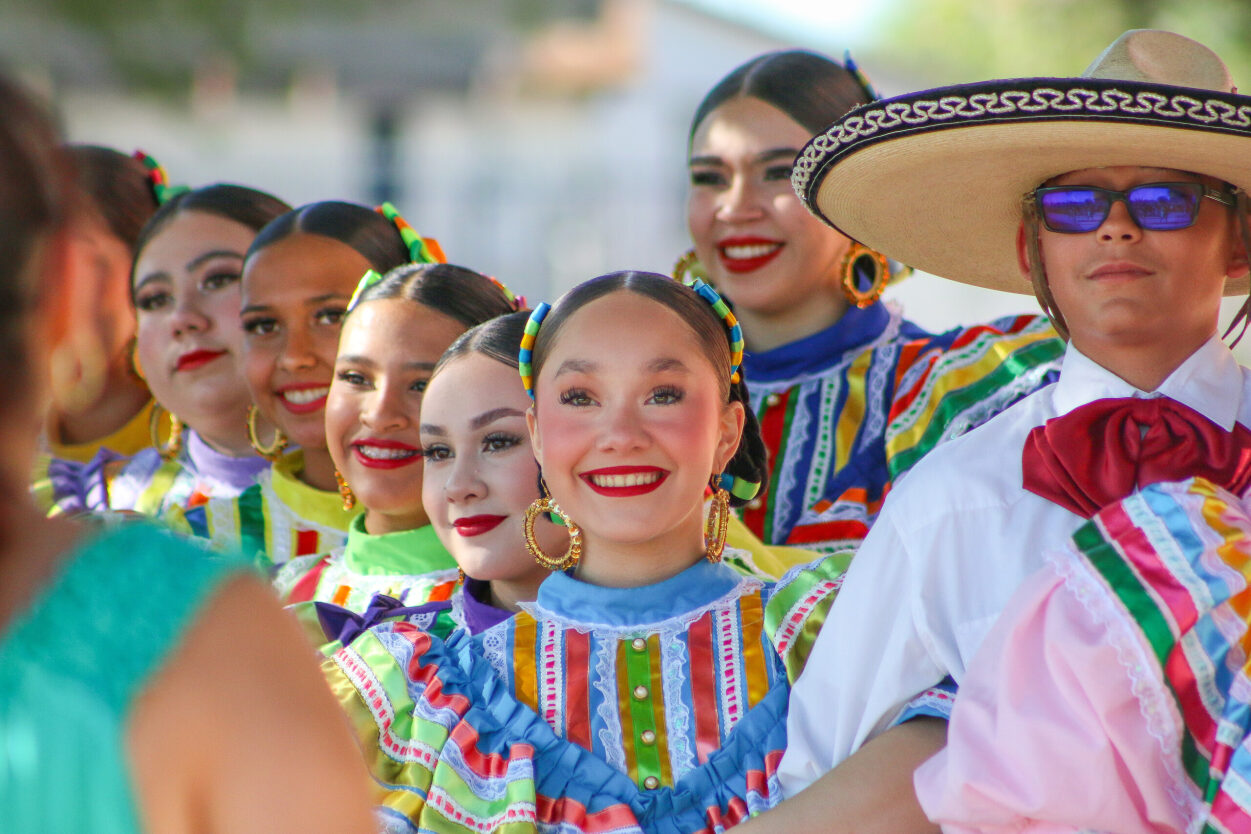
(1047, 727)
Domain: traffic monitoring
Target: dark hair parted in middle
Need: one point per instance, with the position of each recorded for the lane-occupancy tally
(749, 461)
(810, 88)
(239, 203)
(374, 237)
(457, 292)
(498, 339)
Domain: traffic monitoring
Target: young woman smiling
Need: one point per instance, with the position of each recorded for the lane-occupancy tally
(298, 276)
(189, 259)
(394, 332)
(849, 394)
(647, 683)
(481, 475)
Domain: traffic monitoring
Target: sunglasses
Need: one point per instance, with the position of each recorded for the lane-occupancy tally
(1155, 206)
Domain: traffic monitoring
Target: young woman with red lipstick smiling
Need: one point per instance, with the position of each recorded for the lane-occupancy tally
(189, 259)
(395, 330)
(481, 474)
(647, 683)
(824, 356)
(298, 276)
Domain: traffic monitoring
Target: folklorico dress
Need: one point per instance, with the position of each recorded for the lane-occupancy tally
(660, 708)
(1114, 693)
(66, 693)
(411, 566)
(276, 519)
(146, 483)
(846, 411)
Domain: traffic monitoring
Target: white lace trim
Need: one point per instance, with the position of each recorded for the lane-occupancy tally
(1154, 700)
(678, 623)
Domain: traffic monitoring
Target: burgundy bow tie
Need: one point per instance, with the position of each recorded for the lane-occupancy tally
(1101, 452)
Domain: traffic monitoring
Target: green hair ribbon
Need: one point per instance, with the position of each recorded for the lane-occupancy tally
(159, 180)
(370, 278)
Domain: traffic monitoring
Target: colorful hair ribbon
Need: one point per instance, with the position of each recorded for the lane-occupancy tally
(738, 487)
(731, 322)
(859, 75)
(370, 278)
(159, 180)
(525, 356)
(519, 301)
(421, 250)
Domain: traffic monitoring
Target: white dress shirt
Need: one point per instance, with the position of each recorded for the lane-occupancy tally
(954, 540)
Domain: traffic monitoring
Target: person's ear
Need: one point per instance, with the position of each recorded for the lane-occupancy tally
(1022, 252)
(536, 439)
(1239, 264)
(733, 418)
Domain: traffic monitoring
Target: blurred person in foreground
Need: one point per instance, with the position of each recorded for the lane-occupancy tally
(145, 685)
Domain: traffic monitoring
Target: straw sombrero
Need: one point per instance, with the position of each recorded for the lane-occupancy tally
(934, 179)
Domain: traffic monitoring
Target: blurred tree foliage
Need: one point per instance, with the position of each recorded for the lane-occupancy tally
(158, 44)
(968, 40)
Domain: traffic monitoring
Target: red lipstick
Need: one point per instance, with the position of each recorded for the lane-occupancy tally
(197, 358)
(385, 454)
(747, 253)
(624, 481)
(303, 398)
(476, 525)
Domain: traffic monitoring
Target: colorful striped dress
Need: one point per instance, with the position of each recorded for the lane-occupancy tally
(846, 411)
(1115, 692)
(145, 483)
(276, 519)
(659, 709)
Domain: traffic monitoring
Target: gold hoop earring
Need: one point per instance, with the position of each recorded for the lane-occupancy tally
(717, 525)
(688, 264)
(571, 556)
(170, 449)
(345, 491)
(860, 257)
(272, 452)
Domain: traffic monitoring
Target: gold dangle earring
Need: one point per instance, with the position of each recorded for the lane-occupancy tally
(272, 452)
(345, 491)
(717, 524)
(545, 504)
(860, 259)
(688, 264)
(170, 449)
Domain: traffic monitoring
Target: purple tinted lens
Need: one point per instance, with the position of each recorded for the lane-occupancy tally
(1163, 207)
(1074, 209)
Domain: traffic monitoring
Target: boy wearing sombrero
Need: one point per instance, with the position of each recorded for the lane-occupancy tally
(1120, 196)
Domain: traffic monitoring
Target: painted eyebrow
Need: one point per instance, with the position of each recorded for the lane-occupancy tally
(576, 366)
(431, 428)
(667, 364)
(148, 279)
(311, 302)
(358, 359)
(208, 256)
(770, 155)
(488, 417)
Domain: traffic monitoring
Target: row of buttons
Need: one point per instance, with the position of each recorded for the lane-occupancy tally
(641, 692)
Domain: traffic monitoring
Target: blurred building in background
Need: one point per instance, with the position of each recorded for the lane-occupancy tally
(541, 141)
